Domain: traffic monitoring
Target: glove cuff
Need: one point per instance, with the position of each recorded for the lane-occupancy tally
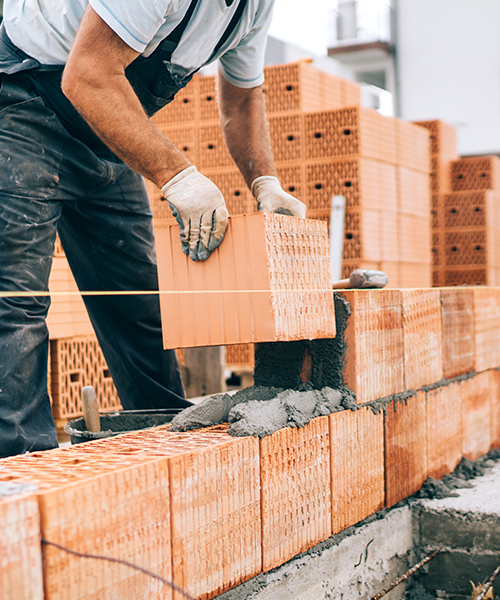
(261, 181)
(179, 177)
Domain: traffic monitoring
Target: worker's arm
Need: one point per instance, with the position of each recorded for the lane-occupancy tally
(246, 133)
(94, 81)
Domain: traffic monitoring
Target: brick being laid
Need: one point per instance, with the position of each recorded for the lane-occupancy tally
(20, 548)
(268, 281)
(444, 431)
(405, 448)
(295, 491)
(476, 397)
(487, 327)
(422, 334)
(374, 340)
(459, 353)
(357, 458)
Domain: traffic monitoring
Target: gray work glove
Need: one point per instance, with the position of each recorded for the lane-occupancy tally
(271, 197)
(200, 210)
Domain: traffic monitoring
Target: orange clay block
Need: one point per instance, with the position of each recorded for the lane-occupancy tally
(422, 334)
(67, 314)
(444, 434)
(476, 395)
(457, 308)
(295, 479)
(374, 340)
(124, 514)
(214, 487)
(357, 455)
(20, 549)
(405, 448)
(495, 408)
(268, 281)
(487, 328)
(413, 146)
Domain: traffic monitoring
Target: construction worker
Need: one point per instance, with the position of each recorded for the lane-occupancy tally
(79, 81)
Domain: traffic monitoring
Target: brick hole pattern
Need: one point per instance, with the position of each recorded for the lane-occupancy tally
(209, 107)
(282, 88)
(326, 136)
(465, 210)
(213, 152)
(436, 250)
(240, 355)
(466, 248)
(466, 277)
(238, 197)
(296, 497)
(293, 181)
(325, 180)
(286, 134)
(298, 260)
(481, 173)
(75, 363)
(183, 109)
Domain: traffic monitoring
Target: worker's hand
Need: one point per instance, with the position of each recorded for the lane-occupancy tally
(271, 197)
(200, 210)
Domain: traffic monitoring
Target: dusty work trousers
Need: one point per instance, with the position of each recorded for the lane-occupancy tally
(51, 182)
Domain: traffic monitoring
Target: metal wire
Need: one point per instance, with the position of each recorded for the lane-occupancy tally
(407, 574)
(488, 584)
(119, 561)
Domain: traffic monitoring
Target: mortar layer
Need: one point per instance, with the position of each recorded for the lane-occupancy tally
(260, 410)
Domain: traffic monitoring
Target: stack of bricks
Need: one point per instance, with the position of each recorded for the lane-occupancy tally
(443, 154)
(324, 144)
(75, 358)
(209, 511)
(472, 222)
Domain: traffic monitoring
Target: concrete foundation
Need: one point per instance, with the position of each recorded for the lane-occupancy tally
(362, 560)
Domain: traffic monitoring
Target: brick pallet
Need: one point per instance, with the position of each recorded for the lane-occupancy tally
(211, 511)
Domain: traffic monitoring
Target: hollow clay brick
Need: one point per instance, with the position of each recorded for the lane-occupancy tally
(457, 307)
(468, 276)
(67, 314)
(415, 239)
(20, 549)
(295, 480)
(241, 355)
(476, 173)
(495, 408)
(207, 100)
(405, 448)
(268, 281)
(365, 183)
(423, 340)
(443, 137)
(357, 455)
(487, 328)
(214, 501)
(352, 132)
(294, 87)
(441, 173)
(413, 146)
(77, 362)
(444, 433)
(414, 274)
(475, 396)
(374, 340)
(124, 514)
(183, 109)
(414, 195)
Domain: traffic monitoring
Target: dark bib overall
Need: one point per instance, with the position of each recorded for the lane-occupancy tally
(56, 176)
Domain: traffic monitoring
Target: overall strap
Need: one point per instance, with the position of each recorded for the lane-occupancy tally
(231, 27)
(170, 43)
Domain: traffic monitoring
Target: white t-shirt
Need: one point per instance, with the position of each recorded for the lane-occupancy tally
(46, 29)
